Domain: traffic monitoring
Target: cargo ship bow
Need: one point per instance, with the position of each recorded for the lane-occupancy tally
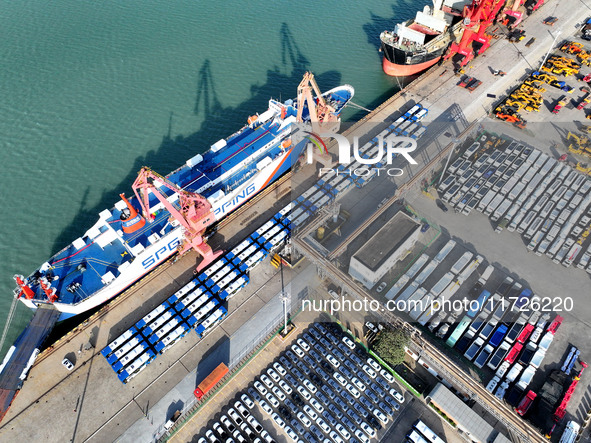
(416, 45)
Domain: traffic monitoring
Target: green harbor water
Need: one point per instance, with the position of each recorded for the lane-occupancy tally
(92, 91)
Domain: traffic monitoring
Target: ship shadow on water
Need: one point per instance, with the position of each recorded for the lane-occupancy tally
(378, 24)
(219, 122)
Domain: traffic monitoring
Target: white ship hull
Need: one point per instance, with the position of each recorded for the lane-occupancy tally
(154, 255)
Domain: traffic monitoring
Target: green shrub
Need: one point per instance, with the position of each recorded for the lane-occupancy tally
(390, 346)
(443, 415)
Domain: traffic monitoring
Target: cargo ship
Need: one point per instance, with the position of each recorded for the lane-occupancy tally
(125, 243)
(419, 43)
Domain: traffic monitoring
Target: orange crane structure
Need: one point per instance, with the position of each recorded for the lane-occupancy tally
(48, 290)
(478, 16)
(23, 288)
(194, 212)
(321, 113)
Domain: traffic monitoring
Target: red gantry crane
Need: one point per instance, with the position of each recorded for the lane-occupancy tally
(514, 12)
(194, 213)
(561, 409)
(478, 16)
(23, 287)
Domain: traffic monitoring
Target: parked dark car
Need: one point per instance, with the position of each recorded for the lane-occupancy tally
(441, 205)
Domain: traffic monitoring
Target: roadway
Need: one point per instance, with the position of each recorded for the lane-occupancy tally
(30, 339)
(447, 368)
(439, 97)
(232, 347)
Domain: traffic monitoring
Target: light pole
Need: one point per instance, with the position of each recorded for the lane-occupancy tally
(283, 299)
(550, 49)
(455, 141)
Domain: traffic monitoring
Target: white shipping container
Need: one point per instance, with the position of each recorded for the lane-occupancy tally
(408, 291)
(486, 200)
(417, 265)
(426, 272)
(494, 204)
(536, 224)
(572, 254)
(509, 185)
(501, 210)
(438, 287)
(422, 305)
(533, 156)
(394, 290)
(465, 274)
(535, 240)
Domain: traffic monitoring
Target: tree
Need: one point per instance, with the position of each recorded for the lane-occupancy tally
(390, 346)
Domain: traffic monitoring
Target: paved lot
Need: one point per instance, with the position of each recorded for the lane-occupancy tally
(262, 311)
(314, 388)
(414, 410)
(509, 255)
(84, 400)
(569, 116)
(505, 251)
(330, 396)
(514, 58)
(210, 412)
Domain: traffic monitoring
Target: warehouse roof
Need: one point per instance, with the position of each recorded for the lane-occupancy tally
(386, 241)
(466, 419)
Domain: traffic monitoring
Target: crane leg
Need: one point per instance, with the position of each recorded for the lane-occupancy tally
(467, 58)
(208, 256)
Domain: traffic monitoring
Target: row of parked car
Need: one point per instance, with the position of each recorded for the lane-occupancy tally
(498, 333)
(237, 425)
(526, 190)
(325, 388)
(470, 180)
(522, 359)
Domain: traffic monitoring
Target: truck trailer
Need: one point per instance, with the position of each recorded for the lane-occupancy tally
(211, 380)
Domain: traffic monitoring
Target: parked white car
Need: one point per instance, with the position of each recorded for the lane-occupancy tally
(68, 364)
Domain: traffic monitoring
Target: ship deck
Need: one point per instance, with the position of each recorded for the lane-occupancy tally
(89, 394)
(79, 270)
(423, 29)
(215, 165)
(86, 268)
